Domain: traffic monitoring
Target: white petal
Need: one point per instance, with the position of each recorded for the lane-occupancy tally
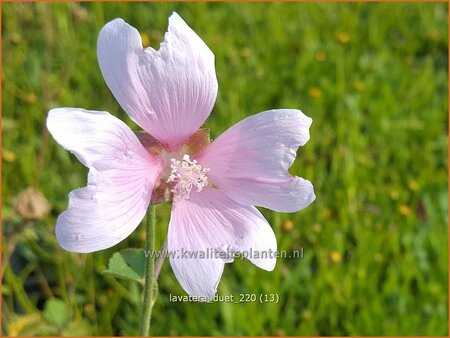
(250, 161)
(120, 181)
(210, 222)
(169, 92)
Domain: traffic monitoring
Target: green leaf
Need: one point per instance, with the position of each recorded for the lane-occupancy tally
(56, 312)
(128, 264)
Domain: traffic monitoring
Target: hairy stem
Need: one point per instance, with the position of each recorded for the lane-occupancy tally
(149, 285)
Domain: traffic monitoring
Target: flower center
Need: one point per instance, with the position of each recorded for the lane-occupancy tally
(187, 174)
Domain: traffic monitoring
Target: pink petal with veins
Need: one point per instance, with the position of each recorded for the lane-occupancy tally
(208, 221)
(120, 182)
(250, 161)
(169, 92)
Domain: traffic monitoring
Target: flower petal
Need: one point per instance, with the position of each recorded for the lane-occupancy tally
(212, 223)
(250, 161)
(120, 181)
(169, 92)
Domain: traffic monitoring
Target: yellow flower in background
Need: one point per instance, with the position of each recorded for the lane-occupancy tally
(404, 210)
(315, 92)
(145, 39)
(336, 257)
(343, 38)
(321, 56)
(359, 86)
(9, 156)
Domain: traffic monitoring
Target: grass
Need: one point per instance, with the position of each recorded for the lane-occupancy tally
(373, 76)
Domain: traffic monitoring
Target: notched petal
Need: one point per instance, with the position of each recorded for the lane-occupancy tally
(120, 180)
(169, 92)
(250, 161)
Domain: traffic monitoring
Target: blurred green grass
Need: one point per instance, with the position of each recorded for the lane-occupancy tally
(373, 76)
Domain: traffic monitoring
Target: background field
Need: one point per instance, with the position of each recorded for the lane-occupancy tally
(374, 79)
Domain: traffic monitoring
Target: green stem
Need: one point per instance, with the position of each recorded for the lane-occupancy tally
(149, 269)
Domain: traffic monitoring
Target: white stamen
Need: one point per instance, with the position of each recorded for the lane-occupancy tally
(187, 174)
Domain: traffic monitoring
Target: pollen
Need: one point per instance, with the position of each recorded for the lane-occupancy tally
(187, 174)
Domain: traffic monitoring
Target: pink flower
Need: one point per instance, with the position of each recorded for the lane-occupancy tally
(170, 93)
